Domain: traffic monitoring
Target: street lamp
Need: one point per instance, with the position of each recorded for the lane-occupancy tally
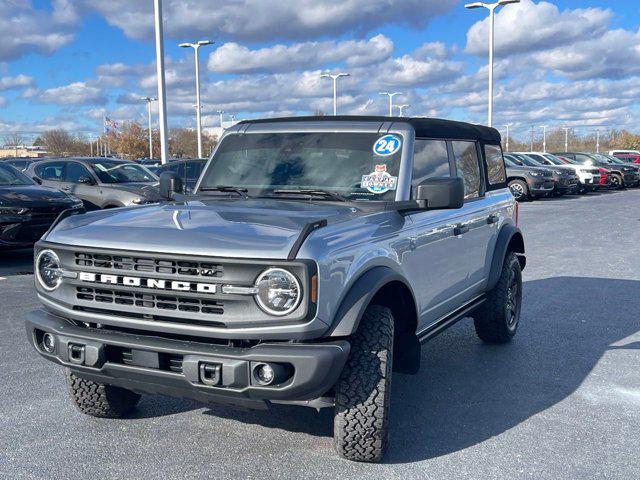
(401, 109)
(597, 140)
(335, 77)
(162, 97)
(507, 145)
(149, 101)
(491, 7)
(196, 49)
(566, 138)
(391, 95)
(221, 113)
(544, 138)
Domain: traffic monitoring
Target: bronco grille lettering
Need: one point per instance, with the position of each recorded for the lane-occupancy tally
(154, 283)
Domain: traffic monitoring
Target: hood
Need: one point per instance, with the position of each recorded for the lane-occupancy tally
(148, 190)
(33, 196)
(254, 228)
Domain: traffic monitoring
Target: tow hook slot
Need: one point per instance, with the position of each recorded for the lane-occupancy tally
(76, 354)
(210, 374)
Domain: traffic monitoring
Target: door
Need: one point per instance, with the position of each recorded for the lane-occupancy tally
(51, 174)
(435, 264)
(81, 183)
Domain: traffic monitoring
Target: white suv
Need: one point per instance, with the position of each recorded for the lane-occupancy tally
(589, 176)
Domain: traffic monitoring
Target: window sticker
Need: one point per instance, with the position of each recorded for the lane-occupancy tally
(387, 145)
(379, 181)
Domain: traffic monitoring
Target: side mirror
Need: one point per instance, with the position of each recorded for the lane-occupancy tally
(85, 180)
(170, 183)
(38, 180)
(442, 193)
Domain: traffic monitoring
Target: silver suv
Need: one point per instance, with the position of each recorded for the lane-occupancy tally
(313, 258)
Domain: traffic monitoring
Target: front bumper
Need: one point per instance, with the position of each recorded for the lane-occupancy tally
(23, 232)
(541, 186)
(159, 365)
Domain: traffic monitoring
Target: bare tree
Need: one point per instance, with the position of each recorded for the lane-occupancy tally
(14, 140)
(58, 142)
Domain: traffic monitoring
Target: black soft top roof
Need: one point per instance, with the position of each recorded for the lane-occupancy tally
(424, 127)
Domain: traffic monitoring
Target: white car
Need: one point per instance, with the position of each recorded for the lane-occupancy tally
(589, 176)
(624, 152)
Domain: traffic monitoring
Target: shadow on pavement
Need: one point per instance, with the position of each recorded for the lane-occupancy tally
(467, 392)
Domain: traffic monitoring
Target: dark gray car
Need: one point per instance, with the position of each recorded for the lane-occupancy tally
(525, 182)
(99, 182)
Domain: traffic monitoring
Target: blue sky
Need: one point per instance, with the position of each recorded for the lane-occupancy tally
(66, 63)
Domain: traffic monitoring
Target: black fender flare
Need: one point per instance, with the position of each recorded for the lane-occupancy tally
(354, 303)
(508, 235)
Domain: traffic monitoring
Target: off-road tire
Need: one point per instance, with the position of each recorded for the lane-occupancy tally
(496, 321)
(100, 400)
(522, 186)
(360, 426)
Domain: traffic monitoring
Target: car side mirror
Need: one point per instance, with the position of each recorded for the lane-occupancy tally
(38, 180)
(170, 183)
(440, 193)
(85, 180)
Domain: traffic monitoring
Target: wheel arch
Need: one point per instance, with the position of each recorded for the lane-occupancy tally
(510, 239)
(384, 287)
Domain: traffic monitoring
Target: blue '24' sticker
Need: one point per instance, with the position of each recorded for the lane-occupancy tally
(387, 145)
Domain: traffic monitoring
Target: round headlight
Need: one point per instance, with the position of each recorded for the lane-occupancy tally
(279, 292)
(48, 270)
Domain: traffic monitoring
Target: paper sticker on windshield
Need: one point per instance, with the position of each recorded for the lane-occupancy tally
(387, 145)
(379, 181)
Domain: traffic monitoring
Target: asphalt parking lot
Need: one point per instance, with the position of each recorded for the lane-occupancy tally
(561, 402)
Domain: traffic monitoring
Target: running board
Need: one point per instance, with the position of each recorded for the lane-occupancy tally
(448, 320)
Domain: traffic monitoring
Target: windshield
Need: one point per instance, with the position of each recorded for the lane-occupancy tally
(553, 159)
(528, 161)
(109, 171)
(583, 159)
(359, 166)
(11, 176)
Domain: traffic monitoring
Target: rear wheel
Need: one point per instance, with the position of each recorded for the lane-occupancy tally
(360, 427)
(100, 400)
(520, 190)
(497, 319)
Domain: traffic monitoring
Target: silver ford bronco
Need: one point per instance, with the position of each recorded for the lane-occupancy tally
(313, 258)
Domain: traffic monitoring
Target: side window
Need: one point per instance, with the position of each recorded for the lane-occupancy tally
(194, 169)
(75, 171)
(495, 164)
(430, 159)
(51, 171)
(468, 168)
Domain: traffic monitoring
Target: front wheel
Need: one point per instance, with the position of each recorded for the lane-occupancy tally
(520, 190)
(497, 319)
(100, 400)
(360, 426)
(616, 182)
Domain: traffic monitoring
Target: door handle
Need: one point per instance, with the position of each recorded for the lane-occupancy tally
(493, 218)
(461, 230)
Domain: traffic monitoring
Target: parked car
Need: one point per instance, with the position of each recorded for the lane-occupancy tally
(585, 180)
(152, 164)
(619, 176)
(525, 182)
(314, 257)
(613, 161)
(615, 153)
(188, 169)
(27, 210)
(20, 163)
(628, 157)
(566, 178)
(99, 182)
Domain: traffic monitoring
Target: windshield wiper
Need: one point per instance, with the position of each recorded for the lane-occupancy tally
(226, 189)
(311, 192)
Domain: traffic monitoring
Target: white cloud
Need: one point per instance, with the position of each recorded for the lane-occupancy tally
(78, 93)
(19, 81)
(264, 20)
(528, 27)
(26, 29)
(235, 58)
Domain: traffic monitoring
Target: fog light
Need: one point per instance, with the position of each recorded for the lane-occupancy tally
(265, 374)
(48, 343)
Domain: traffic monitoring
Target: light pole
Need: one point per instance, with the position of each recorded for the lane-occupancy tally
(532, 133)
(149, 101)
(196, 49)
(335, 77)
(162, 97)
(544, 138)
(507, 145)
(391, 95)
(221, 113)
(566, 138)
(402, 108)
(597, 140)
(492, 10)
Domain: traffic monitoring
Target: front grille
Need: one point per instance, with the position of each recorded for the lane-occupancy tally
(124, 356)
(152, 265)
(547, 173)
(594, 171)
(162, 303)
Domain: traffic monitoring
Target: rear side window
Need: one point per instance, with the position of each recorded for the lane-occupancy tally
(495, 164)
(51, 171)
(468, 168)
(75, 171)
(430, 159)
